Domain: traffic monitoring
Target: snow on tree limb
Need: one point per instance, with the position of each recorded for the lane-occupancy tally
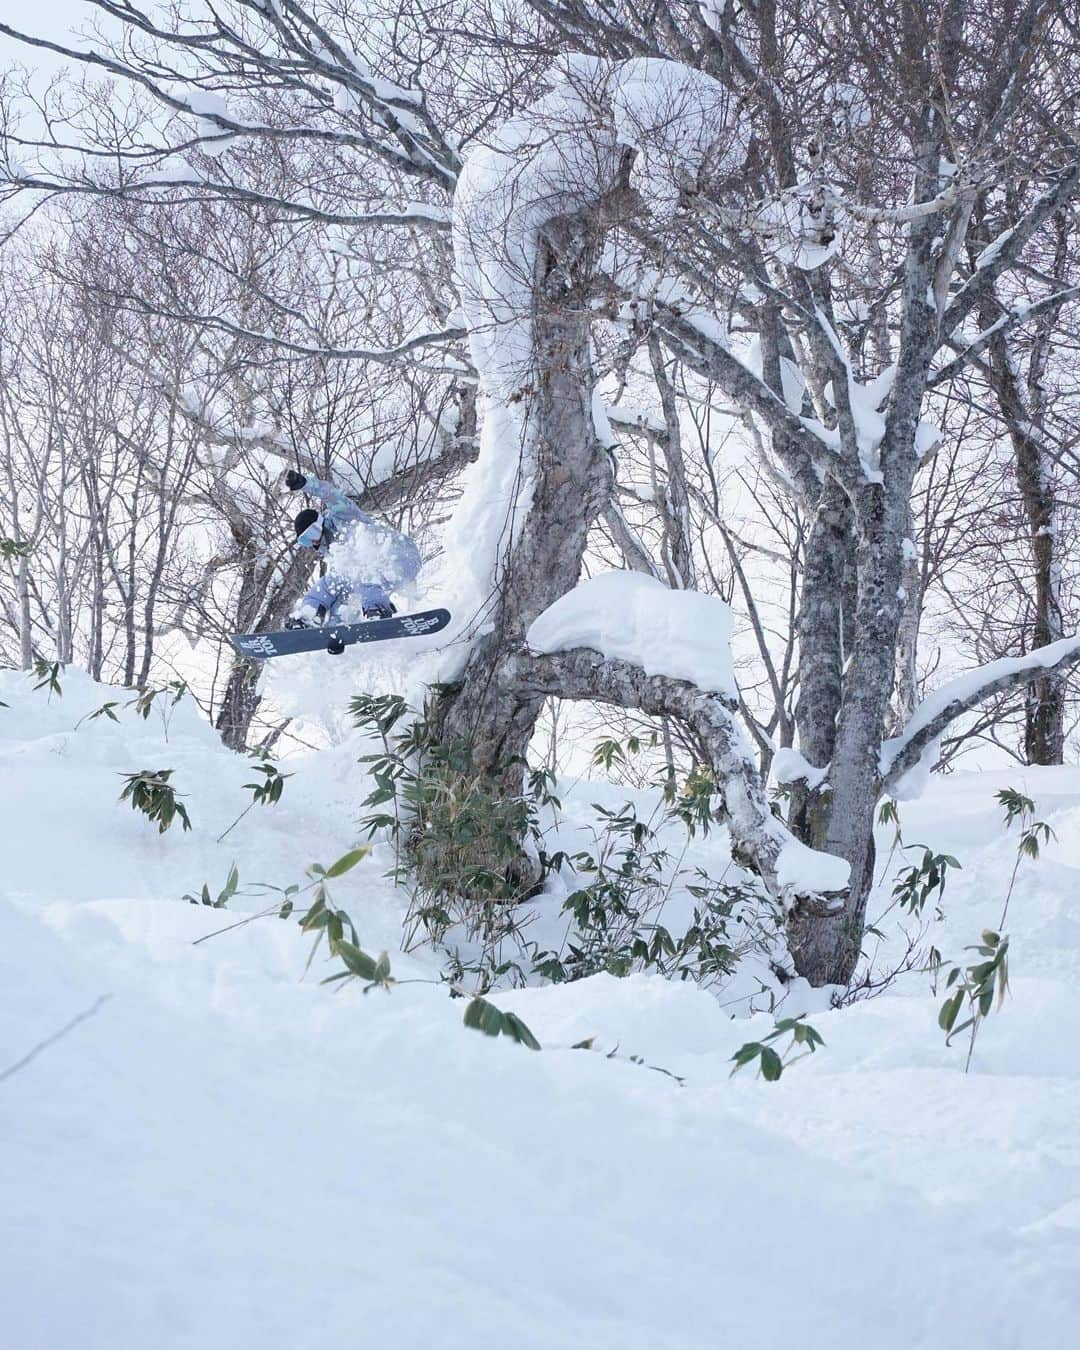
(796, 876)
(634, 617)
(558, 158)
(902, 754)
(1008, 321)
(625, 638)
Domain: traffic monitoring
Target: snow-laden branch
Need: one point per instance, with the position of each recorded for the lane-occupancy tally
(1009, 249)
(626, 639)
(1011, 319)
(917, 741)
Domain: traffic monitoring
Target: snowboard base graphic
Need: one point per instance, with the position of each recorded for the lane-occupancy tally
(261, 646)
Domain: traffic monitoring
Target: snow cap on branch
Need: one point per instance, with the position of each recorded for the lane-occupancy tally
(629, 616)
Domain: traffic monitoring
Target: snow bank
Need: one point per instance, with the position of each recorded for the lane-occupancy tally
(629, 616)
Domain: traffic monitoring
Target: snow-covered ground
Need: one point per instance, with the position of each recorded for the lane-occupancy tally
(225, 1154)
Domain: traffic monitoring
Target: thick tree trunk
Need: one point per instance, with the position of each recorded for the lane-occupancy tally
(825, 949)
(239, 704)
(492, 710)
(827, 577)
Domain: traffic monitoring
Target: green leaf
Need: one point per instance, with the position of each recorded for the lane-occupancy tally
(746, 1053)
(772, 1066)
(348, 861)
(484, 1016)
(478, 1016)
(358, 962)
(950, 1010)
(516, 1029)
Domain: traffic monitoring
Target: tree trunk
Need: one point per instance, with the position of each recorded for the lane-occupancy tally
(825, 949)
(907, 651)
(492, 710)
(1022, 406)
(241, 699)
(26, 637)
(826, 578)
(1044, 707)
(239, 704)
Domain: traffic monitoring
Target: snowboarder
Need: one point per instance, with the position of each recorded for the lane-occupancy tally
(389, 559)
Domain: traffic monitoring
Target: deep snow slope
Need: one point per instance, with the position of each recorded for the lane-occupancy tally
(226, 1154)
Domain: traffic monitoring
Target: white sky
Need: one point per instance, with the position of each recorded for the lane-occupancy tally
(56, 20)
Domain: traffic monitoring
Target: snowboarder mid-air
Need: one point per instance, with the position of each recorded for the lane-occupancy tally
(380, 558)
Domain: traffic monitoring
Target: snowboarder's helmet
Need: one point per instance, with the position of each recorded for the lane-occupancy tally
(304, 523)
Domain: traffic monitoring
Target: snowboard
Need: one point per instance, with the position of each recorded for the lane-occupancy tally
(261, 646)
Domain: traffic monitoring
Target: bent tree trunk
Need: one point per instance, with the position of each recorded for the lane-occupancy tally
(493, 709)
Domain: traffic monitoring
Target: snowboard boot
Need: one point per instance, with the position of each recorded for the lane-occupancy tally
(297, 623)
(379, 611)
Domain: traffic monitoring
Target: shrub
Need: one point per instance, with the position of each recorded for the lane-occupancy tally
(150, 792)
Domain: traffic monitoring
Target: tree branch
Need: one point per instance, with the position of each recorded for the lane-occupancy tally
(759, 839)
(952, 700)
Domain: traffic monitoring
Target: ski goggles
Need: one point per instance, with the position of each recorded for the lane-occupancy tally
(312, 536)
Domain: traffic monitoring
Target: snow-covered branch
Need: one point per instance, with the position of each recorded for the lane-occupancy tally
(624, 638)
(934, 714)
(1014, 318)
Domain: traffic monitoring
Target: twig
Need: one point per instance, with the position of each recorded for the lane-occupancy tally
(56, 1036)
(239, 923)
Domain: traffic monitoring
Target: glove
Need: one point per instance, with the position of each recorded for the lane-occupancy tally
(294, 480)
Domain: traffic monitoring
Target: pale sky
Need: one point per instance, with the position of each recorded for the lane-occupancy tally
(53, 19)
